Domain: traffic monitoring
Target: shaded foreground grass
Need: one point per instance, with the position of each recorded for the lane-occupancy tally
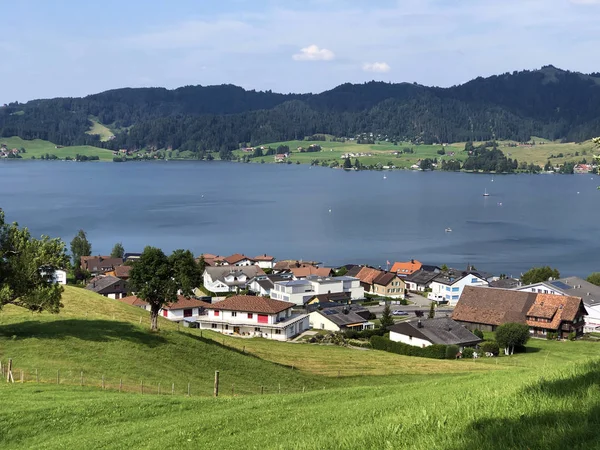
(498, 410)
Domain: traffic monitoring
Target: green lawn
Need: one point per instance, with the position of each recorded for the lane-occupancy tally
(333, 397)
(38, 147)
(101, 130)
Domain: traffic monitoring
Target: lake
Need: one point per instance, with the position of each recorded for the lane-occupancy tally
(295, 211)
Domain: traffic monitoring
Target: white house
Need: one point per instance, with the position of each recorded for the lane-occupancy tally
(424, 333)
(448, 286)
(228, 278)
(264, 261)
(339, 318)
(575, 287)
(244, 315)
(300, 291)
(182, 309)
(59, 276)
(262, 284)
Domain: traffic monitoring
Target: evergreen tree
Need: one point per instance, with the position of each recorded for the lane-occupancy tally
(386, 319)
(431, 314)
(80, 246)
(118, 251)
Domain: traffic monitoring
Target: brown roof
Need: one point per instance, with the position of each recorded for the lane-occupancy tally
(264, 257)
(492, 306)
(558, 308)
(406, 268)
(303, 272)
(133, 301)
(99, 263)
(237, 257)
(122, 271)
(368, 274)
(247, 303)
(290, 264)
(183, 302)
(385, 278)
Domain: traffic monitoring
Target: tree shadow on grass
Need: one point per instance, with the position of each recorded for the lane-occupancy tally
(87, 330)
(571, 424)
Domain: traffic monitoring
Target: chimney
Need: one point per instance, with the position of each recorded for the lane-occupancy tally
(419, 324)
(560, 306)
(412, 261)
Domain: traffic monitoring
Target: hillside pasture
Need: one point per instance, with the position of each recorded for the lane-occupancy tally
(101, 130)
(39, 147)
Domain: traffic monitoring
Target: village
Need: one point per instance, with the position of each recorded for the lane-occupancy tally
(302, 301)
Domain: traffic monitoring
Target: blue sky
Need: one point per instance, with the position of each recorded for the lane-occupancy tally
(75, 48)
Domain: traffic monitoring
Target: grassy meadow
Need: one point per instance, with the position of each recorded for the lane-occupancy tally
(314, 396)
(100, 130)
(38, 147)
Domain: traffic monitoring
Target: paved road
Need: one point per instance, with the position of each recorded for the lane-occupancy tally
(410, 309)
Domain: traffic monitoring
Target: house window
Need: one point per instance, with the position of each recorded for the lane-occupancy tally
(217, 313)
(447, 288)
(187, 313)
(455, 297)
(277, 331)
(474, 280)
(249, 315)
(227, 327)
(233, 314)
(263, 318)
(165, 313)
(455, 289)
(214, 325)
(256, 329)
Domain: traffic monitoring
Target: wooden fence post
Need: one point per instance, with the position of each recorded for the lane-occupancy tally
(81, 378)
(262, 390)
(58, 376)
(22, 376)
(173, 389)
(279, 388)
(9, 376)
(216, 390)
(303, 389)
(120, 384)
(188, 389)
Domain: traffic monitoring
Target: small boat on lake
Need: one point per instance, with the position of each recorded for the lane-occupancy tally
(448, 230)
(485, 193)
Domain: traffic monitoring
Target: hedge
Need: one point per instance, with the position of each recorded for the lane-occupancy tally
(365, 334)
(435, 351)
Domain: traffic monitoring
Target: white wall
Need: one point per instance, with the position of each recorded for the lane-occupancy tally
(319, 322)
(414, 341)
(60, 276)
(264, 330)
(265, 264)
(452, 293)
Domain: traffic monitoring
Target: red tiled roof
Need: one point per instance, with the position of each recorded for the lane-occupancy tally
(183, 303)
(133, 301)
(247, 303)
(264, 257)
(406, 268)
(368, 274)
(558, 308)
(237, 257)
(303, 272)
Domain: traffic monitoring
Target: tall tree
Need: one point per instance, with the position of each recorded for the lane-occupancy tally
(80, 246)
(157, 278)
(594, 278)
(539, 274)
(510, 335)
(27, 268)
(201, 264)
(118, 251)
(386, 320)
(431, 314)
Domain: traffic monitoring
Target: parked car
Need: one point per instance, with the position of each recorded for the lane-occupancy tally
(399, 313)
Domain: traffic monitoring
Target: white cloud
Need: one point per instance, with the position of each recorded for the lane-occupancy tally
(313, 53)
(378, 67)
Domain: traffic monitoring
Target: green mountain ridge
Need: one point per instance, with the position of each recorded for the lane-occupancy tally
(550, 103)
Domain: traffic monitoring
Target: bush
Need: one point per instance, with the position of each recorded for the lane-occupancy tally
(478, 333)
(572, 336)
(551, 335)
(490, 347)
(362, 344)
(468, 352)
(452, 351)
(435, 351)
(365, 334)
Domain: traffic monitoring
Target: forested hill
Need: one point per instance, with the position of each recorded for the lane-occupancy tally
(551, 103)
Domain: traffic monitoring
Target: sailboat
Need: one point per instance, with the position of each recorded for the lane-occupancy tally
(485, 193)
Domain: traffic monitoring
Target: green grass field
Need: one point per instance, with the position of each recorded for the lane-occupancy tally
(38, 147)
(101, 130)
(382, 152)
(548, 397)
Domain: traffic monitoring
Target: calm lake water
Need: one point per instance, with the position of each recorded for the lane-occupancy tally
(284, 210)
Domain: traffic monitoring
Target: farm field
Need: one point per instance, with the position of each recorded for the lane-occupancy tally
(382, 153)
(548, 397)
(38, 147)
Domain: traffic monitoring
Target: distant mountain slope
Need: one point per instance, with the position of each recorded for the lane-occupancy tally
(550, 103)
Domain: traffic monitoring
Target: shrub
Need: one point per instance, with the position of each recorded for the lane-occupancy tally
(363, 344)
(478, 333)
(572, 336)
(490, 347)
(551, 335)
(433, 351)
(468, 352)
(452, 351)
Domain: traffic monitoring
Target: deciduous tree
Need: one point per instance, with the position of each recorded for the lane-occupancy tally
(538, 274)
(512, 334)
(594, 278)
(80, 246)
(27, 268)
(118, 251)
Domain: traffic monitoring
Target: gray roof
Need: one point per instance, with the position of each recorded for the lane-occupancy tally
(106, 285)
(267, 282)
(505, 283)
(220, 272)
(442, 330)
(421, 276)
(344, 315)
(451, 276)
